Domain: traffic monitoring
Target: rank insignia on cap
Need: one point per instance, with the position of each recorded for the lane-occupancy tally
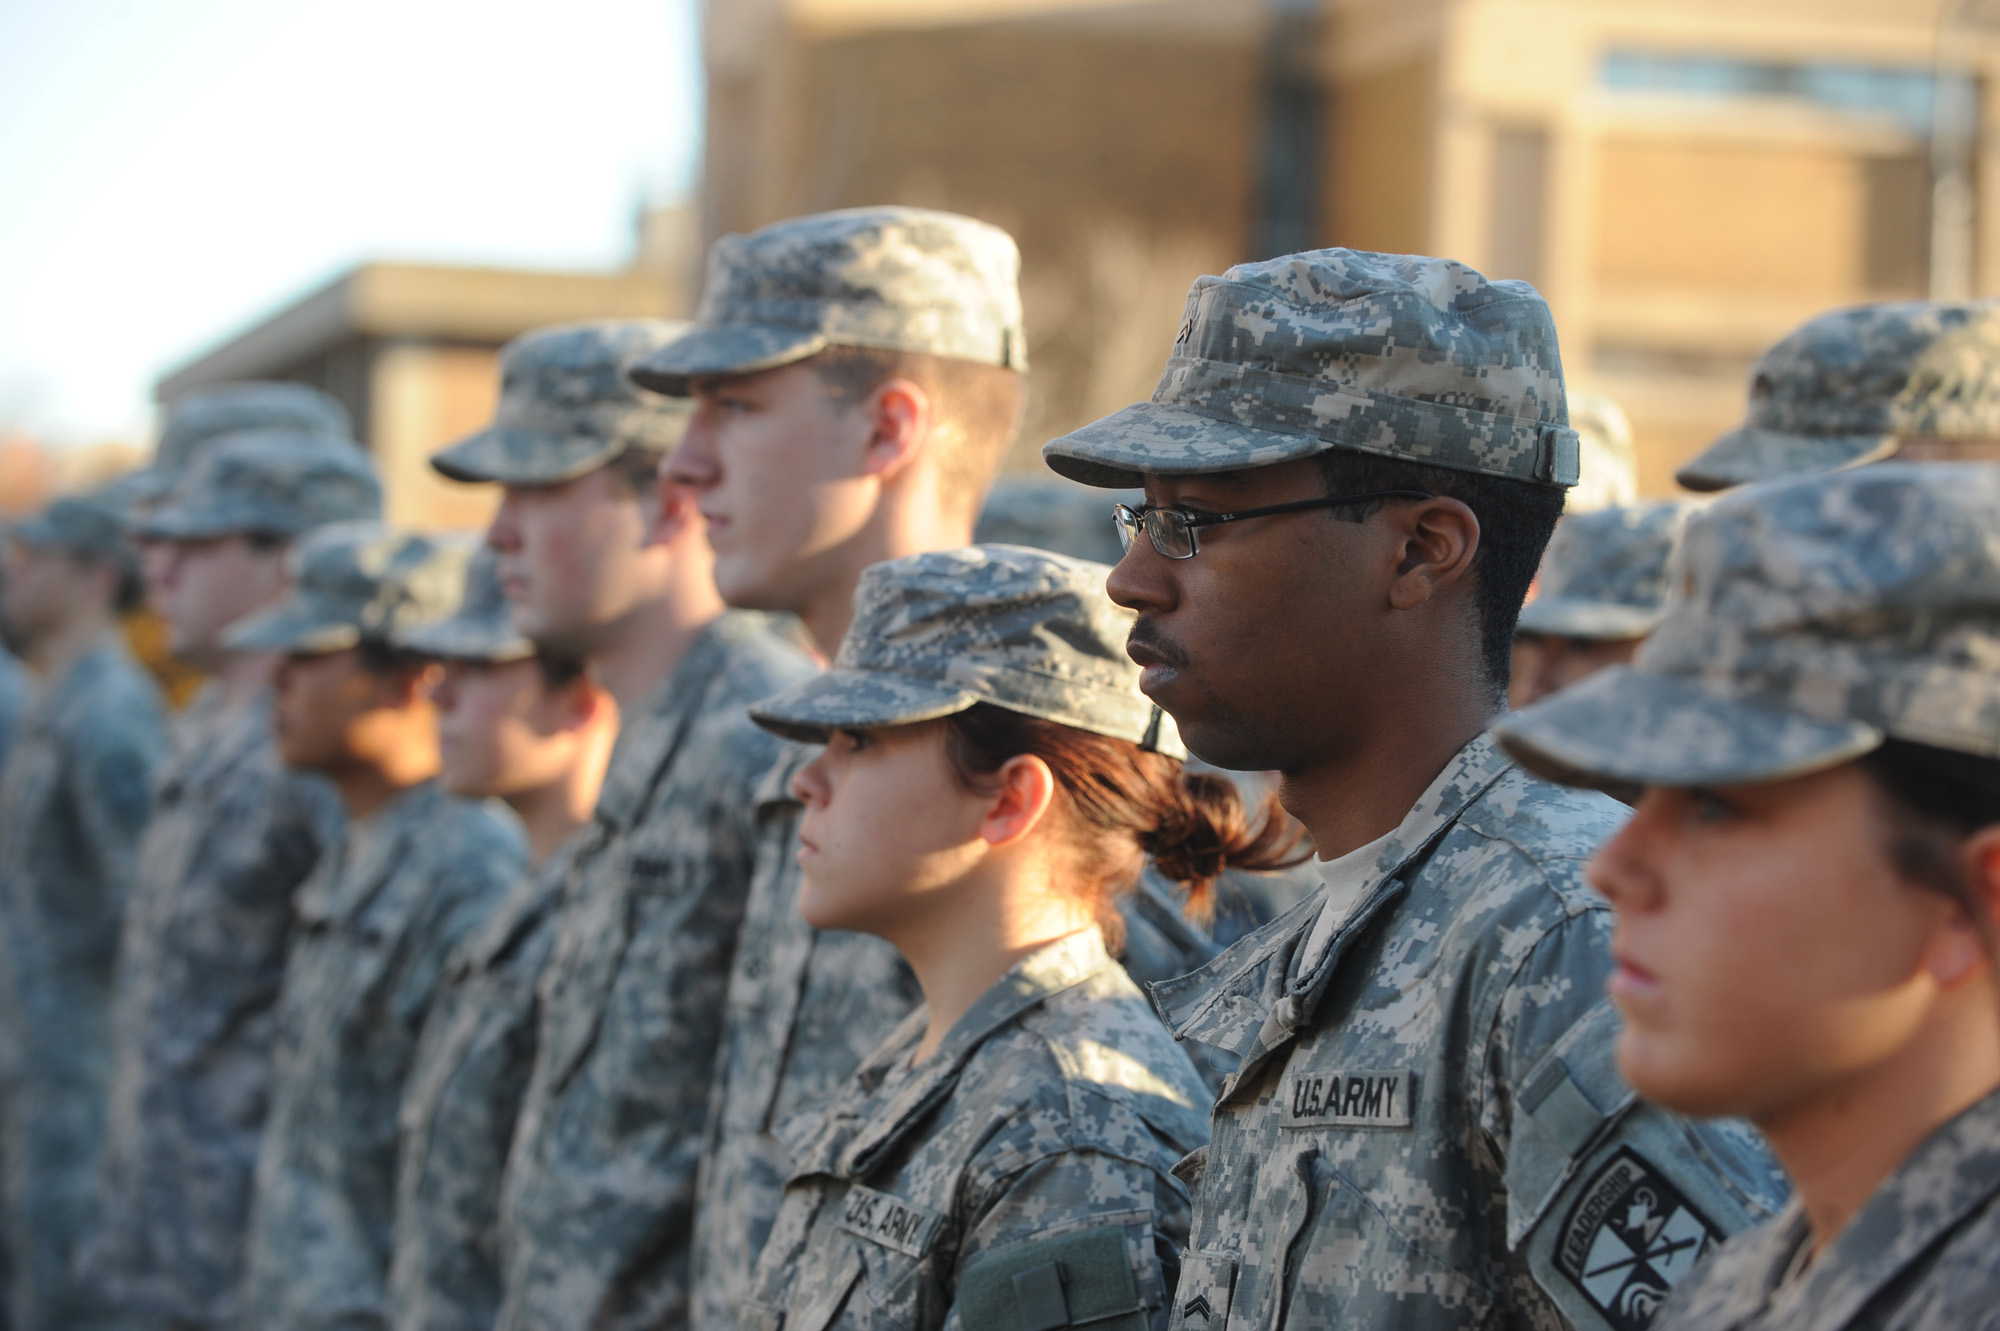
(1630, 1239)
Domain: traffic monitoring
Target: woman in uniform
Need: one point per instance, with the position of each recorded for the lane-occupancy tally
(992, 779)
(1806, 893)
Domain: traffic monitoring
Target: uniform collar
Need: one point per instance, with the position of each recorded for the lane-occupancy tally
(851, 1143)
(1261, 991)
(649, 739)
(1954, 1172)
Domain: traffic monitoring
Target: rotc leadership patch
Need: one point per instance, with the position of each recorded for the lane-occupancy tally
(1629, 1239)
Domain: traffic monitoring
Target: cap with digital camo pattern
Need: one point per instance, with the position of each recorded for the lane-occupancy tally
(891, 279)
(1808, 620)
(267, 483)
(1398, 355)
(481, 629)
(356, 582)
(934, 634)
(1605, 573)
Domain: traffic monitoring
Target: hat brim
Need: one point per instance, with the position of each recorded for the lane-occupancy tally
(194, 522)
(1150, 438)
(1629, 727)
(813, 709)
(723, 349)
(459, 640)
(1606, 621)
(1747, 455)
(291, 628)
(505, 455)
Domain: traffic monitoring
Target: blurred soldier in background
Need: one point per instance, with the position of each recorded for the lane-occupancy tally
(193, 425)
(857, 378)
(1352, 465)
(536, 732)
(414, 873)
(602, 563)
(75, 797)
(233, 833)
(1603, 586)
(1918, 381)
(1607, 460)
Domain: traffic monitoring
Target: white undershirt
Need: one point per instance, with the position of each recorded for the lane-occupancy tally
(1344, 879)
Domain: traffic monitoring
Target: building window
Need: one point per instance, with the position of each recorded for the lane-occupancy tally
(1900, 94)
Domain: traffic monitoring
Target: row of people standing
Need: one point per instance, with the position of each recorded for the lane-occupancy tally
(576, 1097)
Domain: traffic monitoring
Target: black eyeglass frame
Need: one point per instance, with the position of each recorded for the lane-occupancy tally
(1128, 519)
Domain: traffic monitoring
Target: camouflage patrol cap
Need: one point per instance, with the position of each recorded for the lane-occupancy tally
(355, 582)
(197, 420)
(1398, 355)
(933, 634)
(1809, 620)
(481, 629)
(1847, 387)
(567, 406)
(268, 483)
(893, 279)
(1605, 573)
(89, 526)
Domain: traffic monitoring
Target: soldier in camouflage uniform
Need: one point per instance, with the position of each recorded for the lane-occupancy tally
(1352, 464)
(1914, 380)
(600, 560)
(411, 878)
(870, 351)
(1807, 891)
(989, 1153)
(232, 834)
(76, 792)
(536, 733)
(1601, 590)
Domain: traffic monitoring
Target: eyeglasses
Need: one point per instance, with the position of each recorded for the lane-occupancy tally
(1172, 530)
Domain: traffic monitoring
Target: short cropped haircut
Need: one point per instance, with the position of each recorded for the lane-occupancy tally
(984, 402)
(635, 471)
(1516, 519)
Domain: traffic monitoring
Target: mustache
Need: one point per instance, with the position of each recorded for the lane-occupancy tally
(1145, 633)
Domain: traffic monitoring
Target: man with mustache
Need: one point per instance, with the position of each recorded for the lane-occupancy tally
(1352, 464)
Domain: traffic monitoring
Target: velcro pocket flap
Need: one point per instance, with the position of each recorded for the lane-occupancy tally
(1082, 1278)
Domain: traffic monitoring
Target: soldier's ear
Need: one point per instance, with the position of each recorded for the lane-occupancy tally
(1436, 542)
(901, 417)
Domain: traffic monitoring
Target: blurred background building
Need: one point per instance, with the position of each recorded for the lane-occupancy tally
(1685, 181)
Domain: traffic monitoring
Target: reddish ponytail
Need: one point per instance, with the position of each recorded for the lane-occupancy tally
(1127, 805)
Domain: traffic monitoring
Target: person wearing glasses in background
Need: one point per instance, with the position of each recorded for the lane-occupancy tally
(991, 782)
(1352, 464)
(232, 835)
(534, 731)
(1808, 892)
(74, 800)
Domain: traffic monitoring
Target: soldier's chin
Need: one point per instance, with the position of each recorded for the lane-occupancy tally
(1653, 1066)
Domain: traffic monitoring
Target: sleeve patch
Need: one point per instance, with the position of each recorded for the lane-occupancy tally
(1080, 1279)
(1629, 1239)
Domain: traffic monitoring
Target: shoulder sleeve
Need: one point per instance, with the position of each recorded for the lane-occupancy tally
(114, 756)
(1078, 1237)
(1610, 1200)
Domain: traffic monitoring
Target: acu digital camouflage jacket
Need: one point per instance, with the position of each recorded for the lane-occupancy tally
(1018, 1179)
(194, 1014)
(597, 1202)
(76, 795)
(1427, 1129)
(1918, 1254)
(377, 920)
(460, 1107)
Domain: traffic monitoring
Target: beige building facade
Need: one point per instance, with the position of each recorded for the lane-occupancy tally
(1685, 181)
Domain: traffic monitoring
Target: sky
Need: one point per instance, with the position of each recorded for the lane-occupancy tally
(173, 170)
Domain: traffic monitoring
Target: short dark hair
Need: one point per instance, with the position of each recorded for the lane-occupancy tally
(986, 402)
(559, 669)
(379, 657)
(1934, 798)
(635, 471)
(1516, 519)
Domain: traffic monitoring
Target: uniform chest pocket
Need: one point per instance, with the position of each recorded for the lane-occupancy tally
(1345, 1260)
